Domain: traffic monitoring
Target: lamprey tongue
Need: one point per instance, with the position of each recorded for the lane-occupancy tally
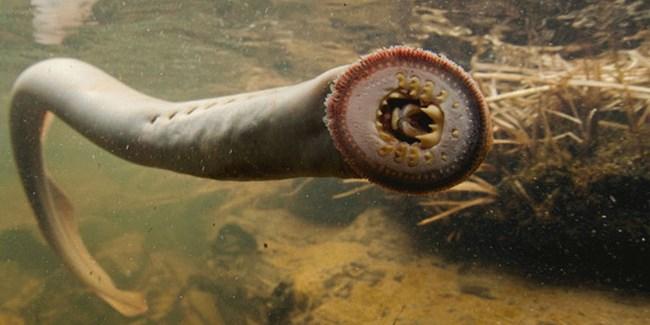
(409, 119)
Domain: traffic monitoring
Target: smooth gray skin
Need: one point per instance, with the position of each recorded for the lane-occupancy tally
(271, 134)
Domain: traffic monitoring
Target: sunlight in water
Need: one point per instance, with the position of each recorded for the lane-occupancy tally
(56, 19)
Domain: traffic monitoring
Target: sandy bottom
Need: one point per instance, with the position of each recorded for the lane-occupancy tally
(246, 258)
(367, 272)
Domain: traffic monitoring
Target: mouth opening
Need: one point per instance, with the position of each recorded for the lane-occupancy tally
(411, 113)
(404, 119)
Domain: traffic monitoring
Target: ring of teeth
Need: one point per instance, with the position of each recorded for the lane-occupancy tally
(410, 121)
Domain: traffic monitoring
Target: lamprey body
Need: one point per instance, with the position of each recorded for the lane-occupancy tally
(404, 118)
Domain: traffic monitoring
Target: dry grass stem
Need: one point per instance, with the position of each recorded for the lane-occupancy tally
(459, 207)
(353, 191)
(448, 207)
(299, 187)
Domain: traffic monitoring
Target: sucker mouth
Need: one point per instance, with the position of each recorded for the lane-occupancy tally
(429, 126)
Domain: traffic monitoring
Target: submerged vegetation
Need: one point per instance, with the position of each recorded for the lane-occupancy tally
(565, 192)
(588, 117)
(569, 170)
(566, 188)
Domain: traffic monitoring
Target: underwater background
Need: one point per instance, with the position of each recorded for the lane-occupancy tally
(553, 229)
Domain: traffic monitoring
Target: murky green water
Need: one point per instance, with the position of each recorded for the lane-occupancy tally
(287, 257)
(172, 50)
